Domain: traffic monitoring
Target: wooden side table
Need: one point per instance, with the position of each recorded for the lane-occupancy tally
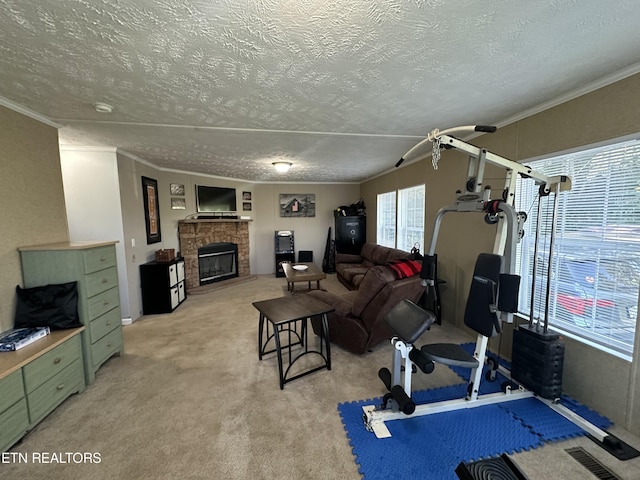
(288, 317)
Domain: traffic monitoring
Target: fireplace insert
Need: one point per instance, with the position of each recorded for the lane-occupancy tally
(217, 261)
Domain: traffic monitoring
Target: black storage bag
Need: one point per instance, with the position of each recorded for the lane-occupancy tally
(53, 306)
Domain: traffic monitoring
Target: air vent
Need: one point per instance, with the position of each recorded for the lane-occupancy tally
(585, 459)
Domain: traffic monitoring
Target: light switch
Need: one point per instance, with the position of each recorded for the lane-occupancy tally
(133, 242)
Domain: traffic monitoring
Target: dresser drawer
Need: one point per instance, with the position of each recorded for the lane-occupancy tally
(102, 303)
(52, 392)
(52, 362)
(98, 282)
(11, 390)
(106, 346)
(99, 327)
(14, 423)
(99, 259)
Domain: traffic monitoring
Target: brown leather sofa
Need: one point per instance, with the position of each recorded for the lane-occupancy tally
(350, 269)
(357, 324)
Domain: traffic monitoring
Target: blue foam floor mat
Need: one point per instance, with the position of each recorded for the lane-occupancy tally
(431, 446)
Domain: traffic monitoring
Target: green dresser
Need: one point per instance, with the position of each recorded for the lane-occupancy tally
(93, 266)
(36, 379)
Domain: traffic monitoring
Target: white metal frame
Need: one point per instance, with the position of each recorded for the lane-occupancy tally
(507, 237)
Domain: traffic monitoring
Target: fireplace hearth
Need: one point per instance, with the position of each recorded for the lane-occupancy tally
(217, 262)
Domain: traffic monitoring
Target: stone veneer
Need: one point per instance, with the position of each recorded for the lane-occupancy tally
(194, 234)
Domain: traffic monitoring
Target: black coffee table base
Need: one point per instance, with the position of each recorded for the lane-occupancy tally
(287, 325)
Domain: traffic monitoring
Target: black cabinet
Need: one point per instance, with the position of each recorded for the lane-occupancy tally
(351, 233)
(163, 286)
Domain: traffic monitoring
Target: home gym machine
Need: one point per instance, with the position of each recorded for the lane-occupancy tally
(492, 300)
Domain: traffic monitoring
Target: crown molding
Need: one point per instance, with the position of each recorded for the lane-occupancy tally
(86, 148)
(5, 102)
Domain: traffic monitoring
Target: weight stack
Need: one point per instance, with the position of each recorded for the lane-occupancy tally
(537, 361)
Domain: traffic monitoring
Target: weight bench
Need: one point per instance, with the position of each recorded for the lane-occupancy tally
(408, 322)
(490, 293)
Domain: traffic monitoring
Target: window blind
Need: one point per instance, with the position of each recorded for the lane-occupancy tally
(386, 219)
(595, 270)
(410, 217)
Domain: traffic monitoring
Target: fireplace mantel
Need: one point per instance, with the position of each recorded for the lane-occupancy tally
(196, 233)
(216, 220)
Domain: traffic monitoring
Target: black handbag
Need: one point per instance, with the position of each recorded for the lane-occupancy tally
(54, 306)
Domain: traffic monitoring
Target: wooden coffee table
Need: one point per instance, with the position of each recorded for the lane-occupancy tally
(311, 274)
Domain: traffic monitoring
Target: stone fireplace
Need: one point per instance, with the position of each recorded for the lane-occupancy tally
(197, 234)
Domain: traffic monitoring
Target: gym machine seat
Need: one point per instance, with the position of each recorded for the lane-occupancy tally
(480, 314)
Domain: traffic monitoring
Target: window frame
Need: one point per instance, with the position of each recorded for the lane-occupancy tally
(408, 219)
(386, 230)
(578, 246)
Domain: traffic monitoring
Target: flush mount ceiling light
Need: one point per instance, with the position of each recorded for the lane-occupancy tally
(103, 107)
(282, 167)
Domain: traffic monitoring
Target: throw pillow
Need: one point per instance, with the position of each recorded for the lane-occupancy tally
(405, 267)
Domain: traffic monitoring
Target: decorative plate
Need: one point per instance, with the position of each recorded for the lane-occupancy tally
(300, 268)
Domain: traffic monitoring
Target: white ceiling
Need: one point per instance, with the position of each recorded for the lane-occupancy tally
(341, 88)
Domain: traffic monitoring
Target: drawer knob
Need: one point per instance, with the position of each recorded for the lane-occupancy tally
(57, 360)
(61, 386)
(109, 344)
(104, 280)
(108, 322)
(102, 259)
(106, 303)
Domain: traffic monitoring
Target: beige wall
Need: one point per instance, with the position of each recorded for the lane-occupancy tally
(35, 213)
(600, 380)
(33, 207)
(310, 233)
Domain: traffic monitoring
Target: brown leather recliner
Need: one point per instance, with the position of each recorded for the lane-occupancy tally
(357, 324)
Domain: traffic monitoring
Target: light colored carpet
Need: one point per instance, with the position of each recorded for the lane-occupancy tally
(189, 399)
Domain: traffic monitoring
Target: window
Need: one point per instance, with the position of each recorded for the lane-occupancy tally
(410, 218)
(401, 227)
(595, 269)
(386, 221)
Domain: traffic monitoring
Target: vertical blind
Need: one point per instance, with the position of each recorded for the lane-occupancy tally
(386, 220)
(401, 227)
(594, 274)
(410, 217)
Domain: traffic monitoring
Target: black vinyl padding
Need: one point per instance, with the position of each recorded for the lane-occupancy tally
(483, 295)
(428, 271)
(509, 290)
(408, 321)
(449, 354)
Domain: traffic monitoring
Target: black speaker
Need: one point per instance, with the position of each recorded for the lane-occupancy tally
(351, 233)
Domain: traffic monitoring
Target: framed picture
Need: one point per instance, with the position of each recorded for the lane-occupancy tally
(178, 204)
(297, 204)
(151, 209)
(177, 189)
(246, 206)
(246, 196)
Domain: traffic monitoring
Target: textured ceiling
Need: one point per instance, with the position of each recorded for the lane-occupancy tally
(341, 88)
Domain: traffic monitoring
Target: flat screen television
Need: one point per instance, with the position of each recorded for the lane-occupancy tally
(215, 199)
